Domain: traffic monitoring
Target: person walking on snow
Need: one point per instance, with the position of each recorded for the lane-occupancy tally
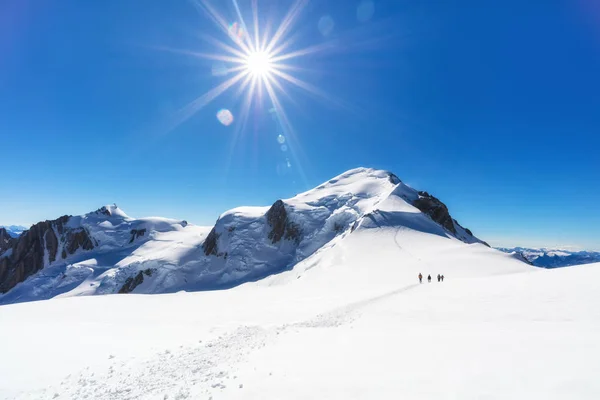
(429, 278)
(442, 278)
(420, 278)
(439, 277)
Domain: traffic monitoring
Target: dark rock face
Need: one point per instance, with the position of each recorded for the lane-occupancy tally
(6, 241)
(132, 282)
(210, 244)
(437, 210)
(281, 225)
(136, 233)
(51, 244)
(394, 179)
(28, 251)
(103, 210)
(78, 238)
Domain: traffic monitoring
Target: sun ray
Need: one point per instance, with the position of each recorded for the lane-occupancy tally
(191, 108)
(221, 23)
(286, 24)
(327, 98)
(224, 46)
(247, 37)
(255, 23)
(208, 56)
(274, 82)
(243, 119)
(287, 128)
(302, 52)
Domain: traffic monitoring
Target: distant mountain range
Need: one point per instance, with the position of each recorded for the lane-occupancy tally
(14, 230)
(553, 258)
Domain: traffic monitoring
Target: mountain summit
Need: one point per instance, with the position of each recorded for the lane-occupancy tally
(106, 251)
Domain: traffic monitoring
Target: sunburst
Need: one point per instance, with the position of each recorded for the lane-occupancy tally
(252, 60)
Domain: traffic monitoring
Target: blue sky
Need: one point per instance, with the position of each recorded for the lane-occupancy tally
(493, 108)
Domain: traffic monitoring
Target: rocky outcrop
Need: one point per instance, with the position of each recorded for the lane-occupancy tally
(78, 238)
(132, 282)
(103, 210)
(42, 240)
(210, 243)
(136, 233)
(281, 225)
(6, 241)
(436, 210)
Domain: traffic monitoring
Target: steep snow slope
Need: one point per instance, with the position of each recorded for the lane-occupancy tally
(520, 336)
(249, 243)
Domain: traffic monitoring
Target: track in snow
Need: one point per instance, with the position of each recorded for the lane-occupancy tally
(205, 368)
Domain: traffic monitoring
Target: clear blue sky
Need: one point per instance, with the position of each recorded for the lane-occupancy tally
(494, 107)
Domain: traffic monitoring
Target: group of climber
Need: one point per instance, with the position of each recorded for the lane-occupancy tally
(440, 278)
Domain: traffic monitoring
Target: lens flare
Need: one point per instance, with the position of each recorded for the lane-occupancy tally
(225, 117)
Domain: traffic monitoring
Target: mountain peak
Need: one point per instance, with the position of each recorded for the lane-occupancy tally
(110, 210)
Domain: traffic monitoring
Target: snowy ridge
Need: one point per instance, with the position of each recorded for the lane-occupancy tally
(370, 208)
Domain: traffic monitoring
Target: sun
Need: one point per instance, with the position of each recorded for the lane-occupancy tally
(259, 64)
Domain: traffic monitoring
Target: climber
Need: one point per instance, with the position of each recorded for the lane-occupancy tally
(429, 278)
(420, 278)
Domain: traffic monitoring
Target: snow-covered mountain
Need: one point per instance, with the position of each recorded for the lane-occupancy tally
(106, 251)
(14, 230)
(553, 258)
(330, 306)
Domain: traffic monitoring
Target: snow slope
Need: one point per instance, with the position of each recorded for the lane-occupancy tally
(251, 243)
(342, 330)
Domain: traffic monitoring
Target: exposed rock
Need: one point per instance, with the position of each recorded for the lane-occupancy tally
(210, 243)
(184, 223)
(437, 210)
(51, 244)
(132, 282)
(394, 179)
(78, 238)
(6, 241)
(29, 250)
(103, 210)
(281, 226)
(136, 233)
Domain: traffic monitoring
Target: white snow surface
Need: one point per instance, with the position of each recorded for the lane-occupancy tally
(172, 252)
(338, 329)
